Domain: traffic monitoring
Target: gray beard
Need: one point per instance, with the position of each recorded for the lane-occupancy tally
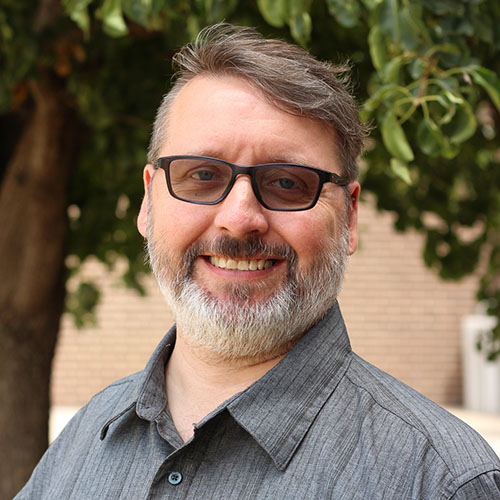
(238, 327)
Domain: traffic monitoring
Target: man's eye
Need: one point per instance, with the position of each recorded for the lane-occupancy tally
(285, 183)
(203, 175)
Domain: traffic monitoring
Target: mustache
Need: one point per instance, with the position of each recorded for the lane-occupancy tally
(248, 248)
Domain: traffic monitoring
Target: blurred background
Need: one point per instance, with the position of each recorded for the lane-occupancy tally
(79, 84)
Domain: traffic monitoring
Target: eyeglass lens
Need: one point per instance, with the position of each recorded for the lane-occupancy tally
(279, 186)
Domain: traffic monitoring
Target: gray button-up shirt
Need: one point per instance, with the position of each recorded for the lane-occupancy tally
(321, 424)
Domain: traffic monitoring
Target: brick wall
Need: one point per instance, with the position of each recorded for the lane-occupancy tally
(400, 317)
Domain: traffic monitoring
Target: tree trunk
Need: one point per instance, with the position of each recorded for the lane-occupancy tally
(33, 229)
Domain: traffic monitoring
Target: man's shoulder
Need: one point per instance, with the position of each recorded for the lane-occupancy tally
(116, 395)
(437, 432)
(103, 406)
(118, 388)
(80, 438)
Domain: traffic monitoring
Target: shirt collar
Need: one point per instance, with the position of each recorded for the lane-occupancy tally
(151, 390)
(148, 394)
(278, 409)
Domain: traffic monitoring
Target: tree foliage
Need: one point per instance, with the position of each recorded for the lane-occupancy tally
(427, 73)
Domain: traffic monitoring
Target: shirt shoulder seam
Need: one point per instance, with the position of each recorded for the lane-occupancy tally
(130, 379)
(479, 474)
(454, 477)
(399, 417)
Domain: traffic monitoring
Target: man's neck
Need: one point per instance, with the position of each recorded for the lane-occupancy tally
(197, 382)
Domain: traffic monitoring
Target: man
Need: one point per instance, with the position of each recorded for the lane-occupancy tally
(250, 212)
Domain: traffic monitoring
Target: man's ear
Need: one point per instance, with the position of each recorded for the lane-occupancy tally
(354, 190)
(142, 219)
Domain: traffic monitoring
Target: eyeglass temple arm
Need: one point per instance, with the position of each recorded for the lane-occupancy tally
(337, 179)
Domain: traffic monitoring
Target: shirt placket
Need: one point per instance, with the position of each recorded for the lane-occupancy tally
(176, 474)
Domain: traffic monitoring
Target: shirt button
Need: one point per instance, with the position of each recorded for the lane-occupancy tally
(174, 478)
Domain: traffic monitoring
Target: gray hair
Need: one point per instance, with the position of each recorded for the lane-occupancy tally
(286, 75)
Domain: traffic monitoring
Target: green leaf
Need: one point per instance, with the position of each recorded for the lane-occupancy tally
(346, 13)
(417, 68)
(376, 99)
(377, 48)
(465, 27)
(78, 12)
(449, 150)
(429, 137)
(81, 304)
(295, 8)
(394, 138)
(217, 10)
(112, 18)
(273, 11)
(410, 28)
(453, 98)
(463, 124)
(449, 83)
(445, 48)
(401, 170)
(6, 32)
(439, 108)
(484, 28)
(301, 27)
(443, 7)
(392, 70)
(388, 19)
(490, 82)
(138, 10)
(193, 26)
(453, 54)
(371, 4)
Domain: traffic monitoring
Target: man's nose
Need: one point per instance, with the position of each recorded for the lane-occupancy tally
(240, 213)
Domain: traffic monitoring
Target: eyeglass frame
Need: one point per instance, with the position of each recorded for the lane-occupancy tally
(324, 176)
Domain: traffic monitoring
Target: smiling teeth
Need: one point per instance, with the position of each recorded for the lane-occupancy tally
(241, 265)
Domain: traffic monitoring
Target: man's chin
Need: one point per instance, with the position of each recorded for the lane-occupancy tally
(255, 292)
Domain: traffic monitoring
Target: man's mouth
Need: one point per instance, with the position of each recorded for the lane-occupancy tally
(241, 264)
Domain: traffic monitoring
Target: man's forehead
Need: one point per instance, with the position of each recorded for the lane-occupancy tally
(208, 99)
(205, 90)
(227, 83)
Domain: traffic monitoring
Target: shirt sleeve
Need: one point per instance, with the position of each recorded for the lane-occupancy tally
(485, 486)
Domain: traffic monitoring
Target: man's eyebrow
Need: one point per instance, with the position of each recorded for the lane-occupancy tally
(205, 152)
(288, 159)
(271, 158)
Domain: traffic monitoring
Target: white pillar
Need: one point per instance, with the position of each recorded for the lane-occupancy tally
(481, 378)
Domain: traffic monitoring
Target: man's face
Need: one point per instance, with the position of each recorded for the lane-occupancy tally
(224, 117)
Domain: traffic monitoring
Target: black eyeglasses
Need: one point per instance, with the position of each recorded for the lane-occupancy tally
(277, 186)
